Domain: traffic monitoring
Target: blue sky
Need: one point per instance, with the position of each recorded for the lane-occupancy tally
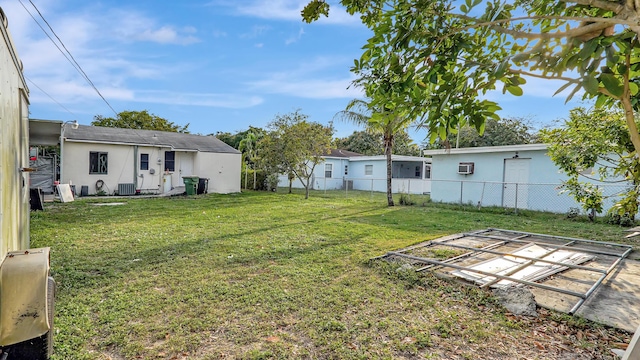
(219, 65)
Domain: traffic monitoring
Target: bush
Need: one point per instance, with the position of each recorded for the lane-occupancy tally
(625, 220)
(405, 199)
(573, 213)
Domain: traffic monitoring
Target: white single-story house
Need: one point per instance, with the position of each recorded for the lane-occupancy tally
(346, 170)
(113, 160)
(513, 176)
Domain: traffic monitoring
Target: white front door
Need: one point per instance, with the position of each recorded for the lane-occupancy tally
(516, 187)
(185, 166)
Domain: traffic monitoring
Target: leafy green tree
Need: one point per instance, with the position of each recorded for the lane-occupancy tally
(433, 60)
(234, 140)
(378, 120)
(509, 131)
(228, 138)
(404, 145)
(294, 146)
(362, 142)
(141, 120)
(367, 143)
(248, 146)
(595, 144)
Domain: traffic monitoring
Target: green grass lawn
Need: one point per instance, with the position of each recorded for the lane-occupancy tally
(265, 275)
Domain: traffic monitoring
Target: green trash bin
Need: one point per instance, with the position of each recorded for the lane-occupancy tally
(191, 184)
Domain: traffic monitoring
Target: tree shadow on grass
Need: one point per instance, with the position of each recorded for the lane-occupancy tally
(94, 269)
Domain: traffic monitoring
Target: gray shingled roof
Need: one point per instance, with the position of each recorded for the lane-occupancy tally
(342, 153)
(177, 141)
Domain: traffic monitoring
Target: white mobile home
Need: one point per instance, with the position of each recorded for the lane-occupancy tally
(112, 160)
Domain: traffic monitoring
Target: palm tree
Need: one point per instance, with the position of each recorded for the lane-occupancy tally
(248, 147)
(377, 121)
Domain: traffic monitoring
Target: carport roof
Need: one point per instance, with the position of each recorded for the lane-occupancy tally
(44, 132)
(173, 140)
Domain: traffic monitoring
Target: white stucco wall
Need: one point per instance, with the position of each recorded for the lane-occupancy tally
(336, 181)
(75, 155)
(488, 167)
(485, 185)
(222, 169)
(148, 182)
(374, 182)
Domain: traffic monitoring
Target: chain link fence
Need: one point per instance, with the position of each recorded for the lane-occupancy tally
(518, 196)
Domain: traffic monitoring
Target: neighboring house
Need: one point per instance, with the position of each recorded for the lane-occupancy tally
(111, 159)
(521, 176)
(346, 170)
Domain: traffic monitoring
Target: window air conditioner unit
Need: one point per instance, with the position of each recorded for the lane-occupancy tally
(465, 168)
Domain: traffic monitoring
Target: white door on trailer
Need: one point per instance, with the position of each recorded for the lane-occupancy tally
(516, 188)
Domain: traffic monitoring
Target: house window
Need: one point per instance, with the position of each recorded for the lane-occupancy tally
(368, 169)
(144, 161)
(97, 162)
(170, 160)
(346, 169)
(427, 171)
(328, 170)
(417, 171)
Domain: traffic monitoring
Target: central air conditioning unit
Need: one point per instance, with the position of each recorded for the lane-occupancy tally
(465, 168)
(126, 189)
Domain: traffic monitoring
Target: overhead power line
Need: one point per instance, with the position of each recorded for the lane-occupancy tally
(69, 57)
(51, 97)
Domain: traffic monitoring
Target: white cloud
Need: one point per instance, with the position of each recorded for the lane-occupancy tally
(75, 92)
(309, 88)
(255, 32)
(219, 34)
(72, 92)
(134, 26)
(104, 56)
(212, 100)
(288, 10)
(165, 35)
(311, 80)
(295, 38)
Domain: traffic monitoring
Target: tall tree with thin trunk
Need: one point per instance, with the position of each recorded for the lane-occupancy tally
(378, 121)
(248, 148)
